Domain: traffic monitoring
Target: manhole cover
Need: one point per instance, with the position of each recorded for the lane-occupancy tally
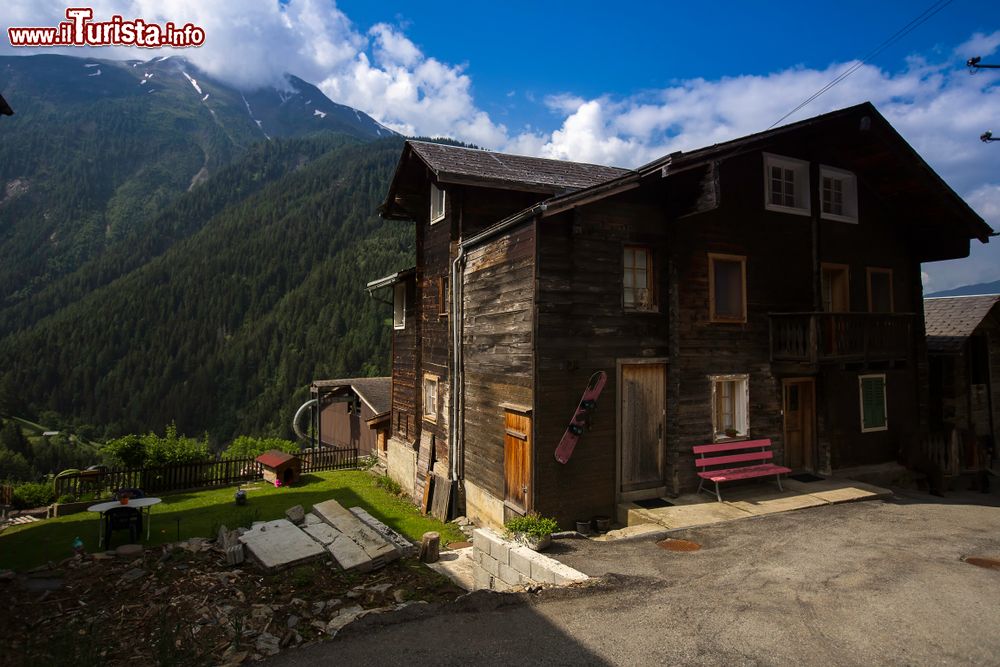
(678, 545)
(459, 545)
(991, 563)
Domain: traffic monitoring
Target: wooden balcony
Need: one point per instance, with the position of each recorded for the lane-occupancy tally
(813, 338)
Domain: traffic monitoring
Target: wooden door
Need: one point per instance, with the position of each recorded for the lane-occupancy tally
(643, 425)
(517, 460)
(800, 423)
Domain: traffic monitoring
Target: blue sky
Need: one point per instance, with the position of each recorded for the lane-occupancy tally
(613, 83)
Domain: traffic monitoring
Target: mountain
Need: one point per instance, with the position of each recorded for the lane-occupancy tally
(970, 290)
(99, 147)
(161, 259)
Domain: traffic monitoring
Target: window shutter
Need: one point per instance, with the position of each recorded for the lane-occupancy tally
(873, 402)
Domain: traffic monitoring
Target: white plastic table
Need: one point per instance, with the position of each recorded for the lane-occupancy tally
(138, 503)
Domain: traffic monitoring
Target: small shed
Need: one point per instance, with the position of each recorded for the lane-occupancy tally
(280, 465)
(963, 351)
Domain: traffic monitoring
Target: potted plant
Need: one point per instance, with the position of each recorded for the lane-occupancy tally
(532, 530)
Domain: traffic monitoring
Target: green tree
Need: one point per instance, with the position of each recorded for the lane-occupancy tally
(246, 447)
(12, 439)
(13, 466)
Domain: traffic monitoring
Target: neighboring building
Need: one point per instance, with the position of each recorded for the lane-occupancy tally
(767, 287)
(963, 349)
(353, 412)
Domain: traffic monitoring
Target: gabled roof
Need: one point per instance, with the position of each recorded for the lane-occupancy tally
(273, 458)
(950, 320)
(472, 166)
(456, 164)
(375, 392)
(865, 117)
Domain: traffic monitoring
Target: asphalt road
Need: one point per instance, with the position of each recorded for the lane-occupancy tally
(873, 583)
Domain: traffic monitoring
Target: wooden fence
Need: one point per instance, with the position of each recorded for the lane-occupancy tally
(174, 477)
(6, 494)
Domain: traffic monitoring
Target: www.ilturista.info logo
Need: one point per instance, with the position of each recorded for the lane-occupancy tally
(79, 30)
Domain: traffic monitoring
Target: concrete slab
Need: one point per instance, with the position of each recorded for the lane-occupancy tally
(852, 491)
(349, 555)
(458, 566)
(280, 544)
(323, 533)
(686, 516)
(351, 526)
(769, 502)
(401, 544)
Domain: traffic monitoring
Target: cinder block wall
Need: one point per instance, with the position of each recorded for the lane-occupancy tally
(502, 565)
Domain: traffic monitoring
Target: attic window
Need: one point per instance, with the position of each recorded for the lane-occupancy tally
(786, 184)
(437, 203)
(838, 195)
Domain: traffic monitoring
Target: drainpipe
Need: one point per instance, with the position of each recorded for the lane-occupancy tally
(455, 421)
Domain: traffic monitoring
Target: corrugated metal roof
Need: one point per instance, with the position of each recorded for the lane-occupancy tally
(376, 392)
(448, 162)
(950, 320)
(273, 458)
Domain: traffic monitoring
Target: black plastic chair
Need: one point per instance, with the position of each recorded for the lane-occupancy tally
(122, 518)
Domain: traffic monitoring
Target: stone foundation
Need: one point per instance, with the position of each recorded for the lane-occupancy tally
(502, 565)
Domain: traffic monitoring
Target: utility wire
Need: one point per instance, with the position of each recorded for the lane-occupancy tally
(895, 37)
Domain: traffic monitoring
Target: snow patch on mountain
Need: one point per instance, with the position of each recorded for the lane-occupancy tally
(194, 82)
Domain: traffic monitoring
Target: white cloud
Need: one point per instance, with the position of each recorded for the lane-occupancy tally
(938, 107)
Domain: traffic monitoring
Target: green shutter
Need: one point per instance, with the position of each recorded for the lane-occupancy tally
(872, 402)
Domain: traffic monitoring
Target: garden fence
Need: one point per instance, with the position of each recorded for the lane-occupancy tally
(203, 474)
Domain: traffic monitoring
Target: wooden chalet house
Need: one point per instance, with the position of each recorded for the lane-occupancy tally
(767, 287)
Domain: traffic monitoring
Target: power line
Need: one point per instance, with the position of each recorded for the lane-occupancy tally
(892, 39)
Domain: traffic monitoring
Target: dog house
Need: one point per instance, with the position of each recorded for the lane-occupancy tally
(280, 466)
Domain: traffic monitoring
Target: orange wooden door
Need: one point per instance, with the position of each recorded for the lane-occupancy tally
(517, 460)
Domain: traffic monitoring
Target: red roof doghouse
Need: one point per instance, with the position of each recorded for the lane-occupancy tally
(279, 465)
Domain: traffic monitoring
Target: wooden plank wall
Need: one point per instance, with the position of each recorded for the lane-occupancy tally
(339, 428)
(582, 328)
(403, 425)
(497, 348)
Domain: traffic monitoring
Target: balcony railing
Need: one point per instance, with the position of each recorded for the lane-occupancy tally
(840, 337)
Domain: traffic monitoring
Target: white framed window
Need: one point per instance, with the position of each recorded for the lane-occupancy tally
(786, 184)
(730, 406)
(437, 203)
(430, 397)
(871, 392)
(637, 279)
(399, 306)
(838, 190)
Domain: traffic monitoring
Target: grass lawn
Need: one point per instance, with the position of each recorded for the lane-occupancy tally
(200, 513)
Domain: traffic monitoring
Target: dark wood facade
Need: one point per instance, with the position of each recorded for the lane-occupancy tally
(544, 305)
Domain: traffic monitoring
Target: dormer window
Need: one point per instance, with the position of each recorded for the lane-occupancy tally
(786, 183)
(437, 204)
(838, 195)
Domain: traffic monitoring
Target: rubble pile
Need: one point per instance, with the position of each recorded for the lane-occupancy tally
(192, 603)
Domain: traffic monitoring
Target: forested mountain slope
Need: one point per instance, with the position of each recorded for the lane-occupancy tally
(194, 254)
(223, 330)
(98, 148)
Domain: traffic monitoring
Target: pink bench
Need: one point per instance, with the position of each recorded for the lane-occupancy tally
(759, 461)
